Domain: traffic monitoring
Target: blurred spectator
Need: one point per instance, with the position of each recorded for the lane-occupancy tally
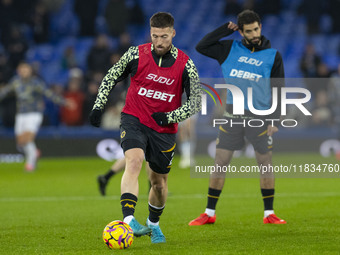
(294, 113)
(53, 5)
(16, 46)
(52, 111)
(36, 66)
(116, 16)
(334, 95)
(74, 116)
(268, 7)
(249, 4)
(40, 22)
(87, 13)
(312, 10)
(8, 109)
(23, 7)
(124, 43)
(232, 7)
(90, 98)
(96, 77)
(8, 17)
(322, 71)
(98, 58)
(334, 7)
(68, 60)
(7, 105)
(114, 57)
(320, 82)
(335, 82)
(123, 85)
(137, 16)
(322, 112)
(309, 62)
(5, 71)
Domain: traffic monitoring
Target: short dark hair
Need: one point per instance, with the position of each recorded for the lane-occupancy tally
(162, 20)
(247, 17)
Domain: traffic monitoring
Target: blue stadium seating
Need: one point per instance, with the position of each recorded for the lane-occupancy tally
(194, 19)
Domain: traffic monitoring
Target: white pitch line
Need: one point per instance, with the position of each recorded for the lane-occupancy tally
(188, 196)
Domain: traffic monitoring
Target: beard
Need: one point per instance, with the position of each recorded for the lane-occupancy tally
(254, 41)
(160, 51)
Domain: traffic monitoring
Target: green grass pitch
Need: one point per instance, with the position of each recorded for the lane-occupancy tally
(58, 210)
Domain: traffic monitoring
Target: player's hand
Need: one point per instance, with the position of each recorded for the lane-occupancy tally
(160, 118)
(232, 26)
(95, 117)
(271, 130)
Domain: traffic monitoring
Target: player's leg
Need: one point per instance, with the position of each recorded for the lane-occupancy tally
(159, 154)
(129, 190)
(216, 183)
(103, 180)
(267, 181)
(230, 138)
(217, 179)
(267, 185)
(157, 198)
(263, 145)
(26, 128)
(133, 142)
(148, 172)
(159, 189)
(134, 161)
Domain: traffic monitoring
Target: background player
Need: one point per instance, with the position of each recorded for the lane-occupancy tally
(230, 54)
(30, 91)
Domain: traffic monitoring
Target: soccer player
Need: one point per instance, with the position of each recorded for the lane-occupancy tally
(30, 91)
(159, 74)
(252, 55)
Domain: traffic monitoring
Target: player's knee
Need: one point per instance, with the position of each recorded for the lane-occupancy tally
(264, 159)
(223, 157)
(158, 184)
(134, 162)
(221, 161)
(264, 162)
(159, 187)
(21, 141)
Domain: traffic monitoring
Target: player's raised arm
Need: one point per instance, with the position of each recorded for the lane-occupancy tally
(55, 98)
(6, 90)
(211, 46)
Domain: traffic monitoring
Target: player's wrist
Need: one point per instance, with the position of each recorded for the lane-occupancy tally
(95, 117)
(161, 118)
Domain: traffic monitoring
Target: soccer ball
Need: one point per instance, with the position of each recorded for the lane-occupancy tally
(118, 235)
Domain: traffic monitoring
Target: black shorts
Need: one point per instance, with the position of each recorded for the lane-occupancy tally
(158, 147)
(232, 138)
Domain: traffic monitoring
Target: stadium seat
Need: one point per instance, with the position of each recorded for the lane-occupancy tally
(203, 17)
